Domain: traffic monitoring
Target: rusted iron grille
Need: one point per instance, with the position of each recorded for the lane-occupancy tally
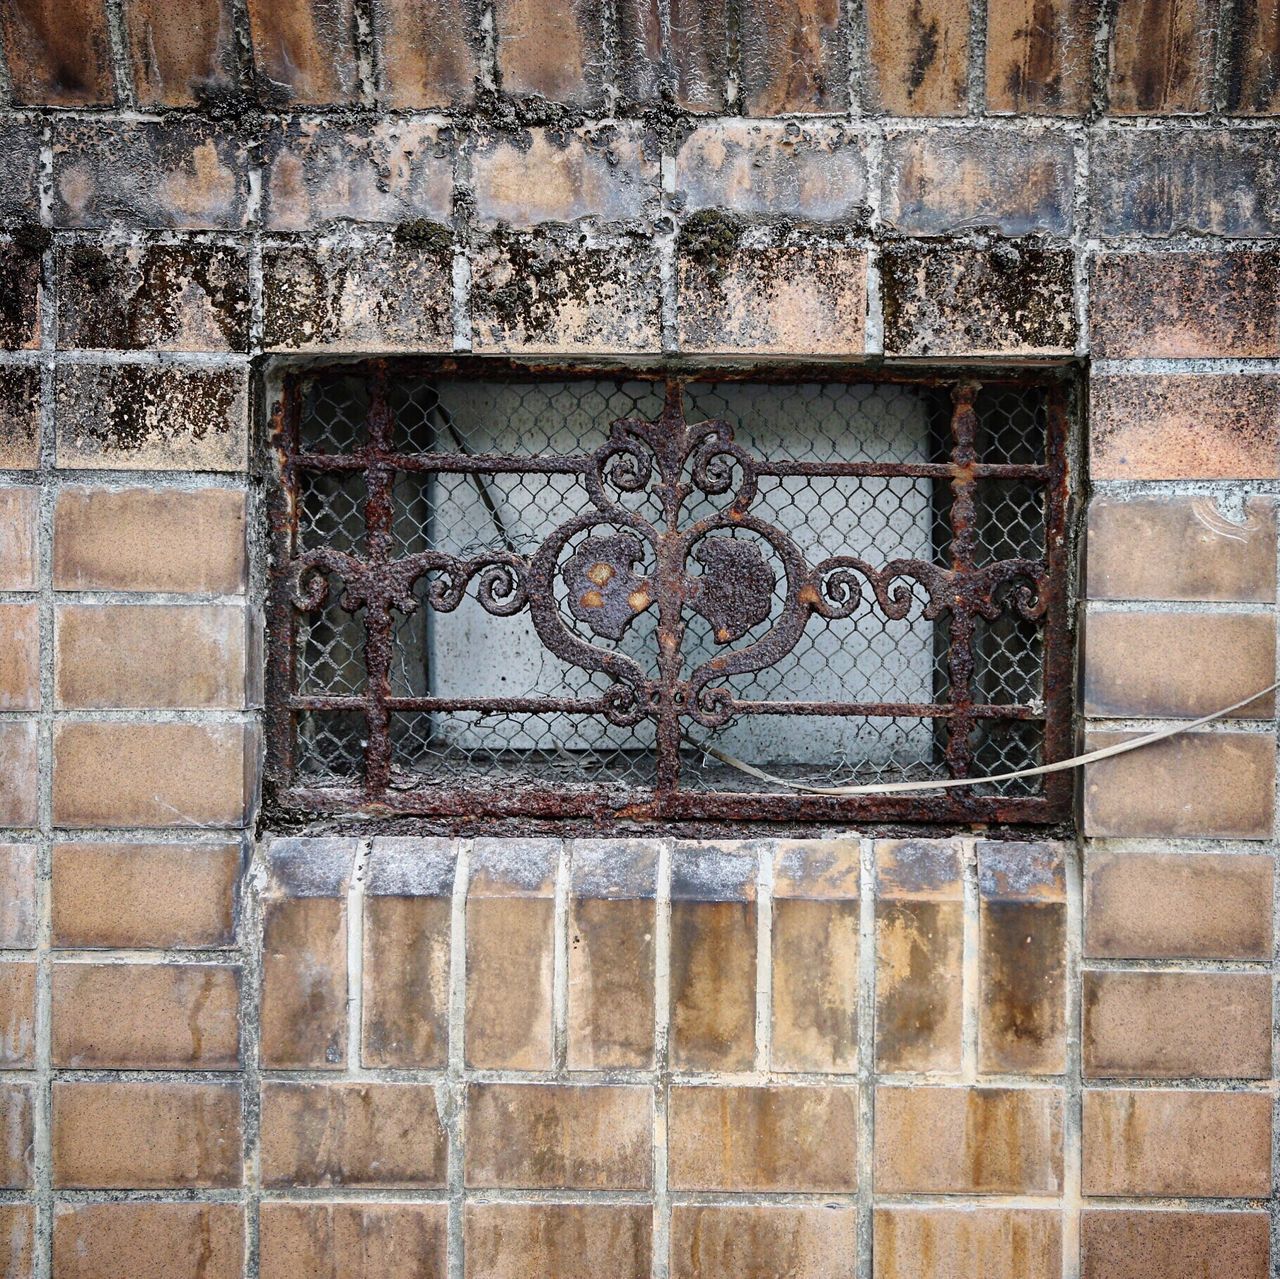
(510, 591)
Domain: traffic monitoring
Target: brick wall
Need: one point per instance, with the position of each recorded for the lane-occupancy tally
(222, 1055)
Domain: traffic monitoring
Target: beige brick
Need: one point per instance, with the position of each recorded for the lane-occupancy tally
(354, 1240)
(17, 1016)
(1040, 56)
(146, 1136)
(1157, 1142)
(148, 1241)
(179, 56)
(996, 1243)
(18, 513)
(604, 1135)
(307, 53)
(550, 49)
(801, 1138)
(1161, 57)
(570, 1241)
(17, 896)
(19, 657)
(919, 56)
(759, 1242)
(109, 773)
(149, 540)
(427, 56)
(794, 57)
(968, 1140)
(1118, 1244)
(17, 1135)
(1177, 905)
(19, 785)
(60, 55)
(17, 1241)
(19, 413)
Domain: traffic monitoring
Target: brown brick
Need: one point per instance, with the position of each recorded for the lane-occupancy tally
(365, 1135)
(1253, 62)
(108, 773)
(942, 181)
(793, 57)
(146, 1016)
(1155, 1142)
(18, 510)
(1175, 304)
(815, 945)
(1117, 1244)
(551, 48)
(17, 1241)
(1177, 905)
(801, 1138)
(17, 1120)
(176, 896)
(145, 655)
(1224, 784)
(968, 1140)
(1180, 548)
(771, 296)
(1161, 56)
(58, 51)
(1040, 56)
(148, 1241)
(612, 927)
(427, 56)
(510, 954)
(19, 657)
(149, 540)
(407, 925)
(559, 1137)
(144, 1136)
(919, 56)
(758, 1242)
(1176, 1025)
(1014, 298)
(353, 1240)
(570, 1241)
(996, 1243)
(713, 957)
(919, 955)
(304, 51)
(24, 298)
(641, 67)
(19, 417)
(183, 56)
(17, 1016)
(19, 786)
(700, 53)
(17, 896)
(1185, 427)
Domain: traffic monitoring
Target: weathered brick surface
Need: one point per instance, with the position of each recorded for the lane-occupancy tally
(552, 48)
(17, 1131)
(1161, 57)
(20, 154)
(180, 57)
(19, 417)
(19, 758)
(997, 1243)
(355, 1240)
(148, 1241)
(918, 56)
(17, 895)
(1039, 55)
(428, 59)
(1129, 1244)
(22, 299)
(1253, 60)
(794, 57)
(570, 1241)
(17, 1015)
(17, 1240)
(304, 51)
(19, 657)
(729, 1243)
(700, 47)
(18, 546)
(57, 52)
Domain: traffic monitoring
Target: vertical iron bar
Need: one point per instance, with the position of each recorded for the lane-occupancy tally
(964, 550)
(379, 543)
(282, 617)
(669, 575)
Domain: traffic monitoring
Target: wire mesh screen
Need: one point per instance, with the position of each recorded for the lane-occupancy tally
(505, 593)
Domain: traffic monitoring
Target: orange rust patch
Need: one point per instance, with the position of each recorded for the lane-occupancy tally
(592, 599)
(808, 594)
(600, 574)
(640, 600)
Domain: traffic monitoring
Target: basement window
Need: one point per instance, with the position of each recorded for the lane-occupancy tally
(500, 591)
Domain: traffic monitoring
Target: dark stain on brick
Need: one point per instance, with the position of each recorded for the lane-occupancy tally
(925, 51)
(424, 235)
(19, 284)
(910, 1013)
(1023, 979)
(19, 414)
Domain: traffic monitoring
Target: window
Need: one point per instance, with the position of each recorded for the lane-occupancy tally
(511, 591)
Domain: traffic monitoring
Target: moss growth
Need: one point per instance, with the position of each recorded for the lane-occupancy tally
(32, 238)
(90, 263)
(710, 238)
(424, 235)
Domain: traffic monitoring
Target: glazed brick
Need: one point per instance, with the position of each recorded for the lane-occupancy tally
(19, 754)
(407, 924)
(996, 1243)
(17, 896)
(919, 956)
(360, 1135)
(713, 958)
(58, 53)
(1014, 298)
(145, 655)
(304, 53)
(355, 1240)
(946, 180)
(181, 171)
(1161, 57)
(148, 1241)
(612, 931)
(180, 56)
(1169, 665)
(427, 57)
(1157, 1142)
(20, 155)
(968, 1140)
(108, 773)
(919, 56)
(146, 1016)
(1039, 56)
(700, 53)
(603, 1137)
(1176, 1025)
(22, 298)
(1170, 304)
(752, 1243)
(1176, 427)
(815, 943)
(388, 171)
(17, 1241)
(1022, 959)
(570, 1241)
(1253, 64)
(510, 954)
(17, 1015)
(19, 657)
(770, 296)
(176, 896)
(146, 1136)
(1119, 1244)
(551, 48)
(801, 1138)
(189, 542)
(1180, 548)
(1224, 782)
(17, 1120)
(18, 512)
(19, 417)
(1177, 905)
(550, 175)
(793, 57)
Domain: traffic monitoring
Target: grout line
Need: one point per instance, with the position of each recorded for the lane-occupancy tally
(249, 935)
(355, 957)
(560, 965)
(1072, 1154)
(866, 1052)
(764, 958)
(453, 1086)
(971, 970)
(661, 1043)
